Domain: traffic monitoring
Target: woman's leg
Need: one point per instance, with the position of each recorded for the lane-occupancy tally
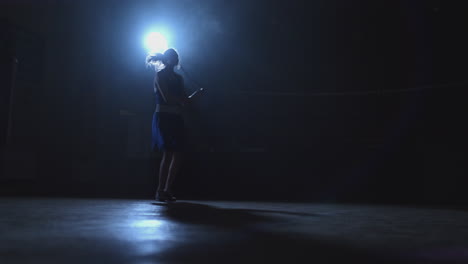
(164, 170)
(174, 168)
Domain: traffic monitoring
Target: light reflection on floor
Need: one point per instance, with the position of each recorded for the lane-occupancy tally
(72, 231)
(145, 229)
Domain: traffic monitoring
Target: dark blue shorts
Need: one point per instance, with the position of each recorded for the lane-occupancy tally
(168, 132)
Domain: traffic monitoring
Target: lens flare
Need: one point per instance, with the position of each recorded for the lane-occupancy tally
(155, 42)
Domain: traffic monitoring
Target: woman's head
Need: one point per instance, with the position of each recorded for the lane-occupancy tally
(170, 58)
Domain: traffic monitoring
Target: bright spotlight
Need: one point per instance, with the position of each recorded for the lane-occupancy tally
(155, 42)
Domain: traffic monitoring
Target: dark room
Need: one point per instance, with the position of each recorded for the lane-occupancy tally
(246, 131)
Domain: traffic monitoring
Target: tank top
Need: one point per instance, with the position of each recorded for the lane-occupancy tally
(174, 85)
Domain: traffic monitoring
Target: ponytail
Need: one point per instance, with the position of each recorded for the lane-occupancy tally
(159, 60)
(156, 61)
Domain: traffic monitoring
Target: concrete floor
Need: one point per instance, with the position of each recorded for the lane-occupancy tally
(39, 230)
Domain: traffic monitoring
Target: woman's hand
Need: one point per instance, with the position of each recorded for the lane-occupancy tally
(197, 92)
(186, 101)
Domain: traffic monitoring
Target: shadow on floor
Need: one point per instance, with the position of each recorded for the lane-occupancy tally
(202, 214)
(237, 236)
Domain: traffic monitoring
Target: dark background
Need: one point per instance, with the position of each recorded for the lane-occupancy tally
(356, 101)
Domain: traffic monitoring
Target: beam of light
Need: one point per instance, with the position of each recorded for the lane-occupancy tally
(155, 42)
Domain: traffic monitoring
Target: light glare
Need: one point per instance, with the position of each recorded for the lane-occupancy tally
(155, 42)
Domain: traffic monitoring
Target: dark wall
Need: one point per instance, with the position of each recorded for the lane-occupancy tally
(22, 53)
(392, 147)
(389, 147)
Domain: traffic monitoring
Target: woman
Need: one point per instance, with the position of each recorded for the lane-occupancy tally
(168, 126)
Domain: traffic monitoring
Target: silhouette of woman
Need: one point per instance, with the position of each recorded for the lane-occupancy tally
(168, 130)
